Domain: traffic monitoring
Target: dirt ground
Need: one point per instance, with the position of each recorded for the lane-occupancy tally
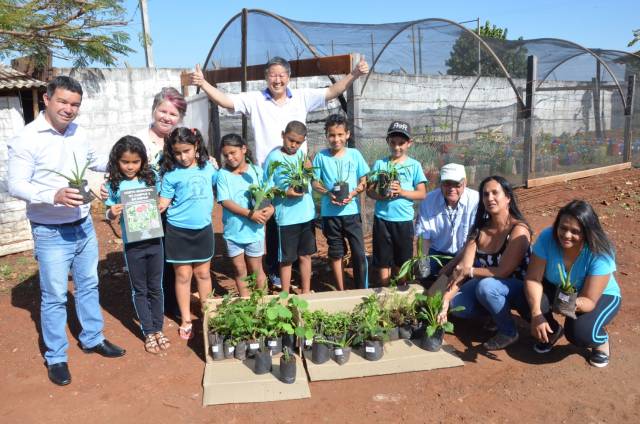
(516, 385)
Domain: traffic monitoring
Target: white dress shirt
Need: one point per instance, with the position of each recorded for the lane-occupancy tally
(39, 148)
(447, 229)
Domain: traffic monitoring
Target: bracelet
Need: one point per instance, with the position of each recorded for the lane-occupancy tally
(471, 272)
(250, 214)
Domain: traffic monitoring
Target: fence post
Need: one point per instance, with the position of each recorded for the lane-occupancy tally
(353, 107)
(596, 103)
(628, 117)
(243, 63)
(529, 148)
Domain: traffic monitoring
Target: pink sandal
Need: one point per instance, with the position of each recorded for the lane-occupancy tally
(186, 333)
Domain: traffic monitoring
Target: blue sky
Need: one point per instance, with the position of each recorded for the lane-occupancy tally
(183, 31)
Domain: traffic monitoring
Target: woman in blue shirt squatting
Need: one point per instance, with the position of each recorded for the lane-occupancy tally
(187, 196)
(576, 249)
(489, 279)
(393, 215)
(341, 175)
(128, 169)
(295, 211)
(243, 222)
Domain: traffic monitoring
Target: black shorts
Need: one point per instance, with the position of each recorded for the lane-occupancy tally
(392, 242)
(337, 228)
(183, 245)
(296, 240)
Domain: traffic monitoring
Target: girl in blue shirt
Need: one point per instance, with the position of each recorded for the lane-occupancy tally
(128, 169)
(577, 246)
(243, 226)
(187, 192)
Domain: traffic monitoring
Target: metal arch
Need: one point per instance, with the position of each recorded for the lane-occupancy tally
(464, 105)
(586, 50)
(478, 38)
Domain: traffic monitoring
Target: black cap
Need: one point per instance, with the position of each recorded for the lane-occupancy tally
(399, 127)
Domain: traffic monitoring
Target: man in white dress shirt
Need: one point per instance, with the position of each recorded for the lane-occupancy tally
(63, 233)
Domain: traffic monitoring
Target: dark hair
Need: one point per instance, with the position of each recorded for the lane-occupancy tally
(334, 121)
(236, 140)
(594, 235)
(132, 144)
(296, 127)
(482, 216)
(64, 82)
(277, 60)
(183, 135)
(172, 96)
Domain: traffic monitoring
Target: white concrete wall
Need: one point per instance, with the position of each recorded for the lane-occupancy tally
(15, 231)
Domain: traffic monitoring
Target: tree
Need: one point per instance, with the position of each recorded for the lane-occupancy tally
(84, 31)
(463, 59)
(636, 37)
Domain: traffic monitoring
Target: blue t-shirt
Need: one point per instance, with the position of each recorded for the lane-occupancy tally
(289, 210)
(586, 264)
(235, 187)
(353, 167)
(410, 174)
(114, 198)
(192, 192)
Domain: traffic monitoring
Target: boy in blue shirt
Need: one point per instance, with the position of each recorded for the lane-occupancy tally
(295, 212)
(393, 215)
(341, 175)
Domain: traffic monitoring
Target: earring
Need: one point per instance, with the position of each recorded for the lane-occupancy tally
(197, 155)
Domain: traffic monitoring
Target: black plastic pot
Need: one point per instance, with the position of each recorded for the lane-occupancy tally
(307, 343)
(433, 343)
(229, 349)
(405, 331)
(373, 350)
(382, 185)
(340, 191)
(263, 204)
(417, 330)
(252, 347)
(87, 197)
(422, 268)
(262, 362)
(288, 370)
(302, 188)
(393, 333)
(565, 303)
(241, 351)
(320, 352)
(341, 355)
(289, 341)
(217, 347)
(274, 345)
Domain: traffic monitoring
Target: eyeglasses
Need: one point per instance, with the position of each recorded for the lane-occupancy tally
(282, 76)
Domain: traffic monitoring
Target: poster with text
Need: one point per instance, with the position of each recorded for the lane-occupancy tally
(141, 215)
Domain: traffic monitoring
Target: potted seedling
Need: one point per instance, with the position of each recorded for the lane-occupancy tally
(340, 188)
(370, 327)
(262, 361)
(417, 267)
(297, 174)
(277, 319)
(262, 193)
(217, 328)
(340, 335)
(77, 181)
(428, 309)
(302, 330)
(287, 366)
(320, 350)
(399, 309)
(382, 178)
(566, 295)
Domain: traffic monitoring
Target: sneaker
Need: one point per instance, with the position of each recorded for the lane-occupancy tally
(598, 358)
(541, 347)
(275, 281)
(500, 341)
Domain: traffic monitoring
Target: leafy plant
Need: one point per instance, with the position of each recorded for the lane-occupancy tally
(296, 173)
(565, 281)
(262, 191)
(77, 174)
(406, 271)
(341, 177)
(399, 307)
(275, 318)
(338, 330)
(369, 321)
(382, 178)
(428, 308)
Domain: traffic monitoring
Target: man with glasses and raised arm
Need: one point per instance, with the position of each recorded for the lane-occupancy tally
(446, 216)
(270, 110)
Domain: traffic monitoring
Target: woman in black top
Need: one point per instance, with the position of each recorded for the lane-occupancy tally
(489, 278)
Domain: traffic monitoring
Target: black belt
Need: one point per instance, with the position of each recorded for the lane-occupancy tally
(66, 224)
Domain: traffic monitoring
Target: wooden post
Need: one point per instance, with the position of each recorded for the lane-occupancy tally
(419, 51)
(628, 117)
(146, 30)
(353, 108)
(34, 102)
(596, 102)
(413, 46)
(529, 149)
(243, 64)
(214, 131)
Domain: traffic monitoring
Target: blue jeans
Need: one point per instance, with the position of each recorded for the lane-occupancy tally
(435, 266)
(57, 249)
(494, 297)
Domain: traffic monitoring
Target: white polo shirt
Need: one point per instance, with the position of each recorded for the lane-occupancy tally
(269, 119)
(38, 148)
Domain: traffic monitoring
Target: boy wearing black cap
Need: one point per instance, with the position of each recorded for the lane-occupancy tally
(399, 181)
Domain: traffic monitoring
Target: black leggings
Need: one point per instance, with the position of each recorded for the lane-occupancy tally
(588, 329)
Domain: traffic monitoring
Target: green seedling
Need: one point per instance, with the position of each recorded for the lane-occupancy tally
(427, 310)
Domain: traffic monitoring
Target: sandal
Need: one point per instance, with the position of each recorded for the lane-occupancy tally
(163, 341)
(186, 333)
(151, 345)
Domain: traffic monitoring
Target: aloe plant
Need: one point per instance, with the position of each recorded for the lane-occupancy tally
(406, 271)
(77, 174)
(296, 173)
(565, 281)
(262, 191)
